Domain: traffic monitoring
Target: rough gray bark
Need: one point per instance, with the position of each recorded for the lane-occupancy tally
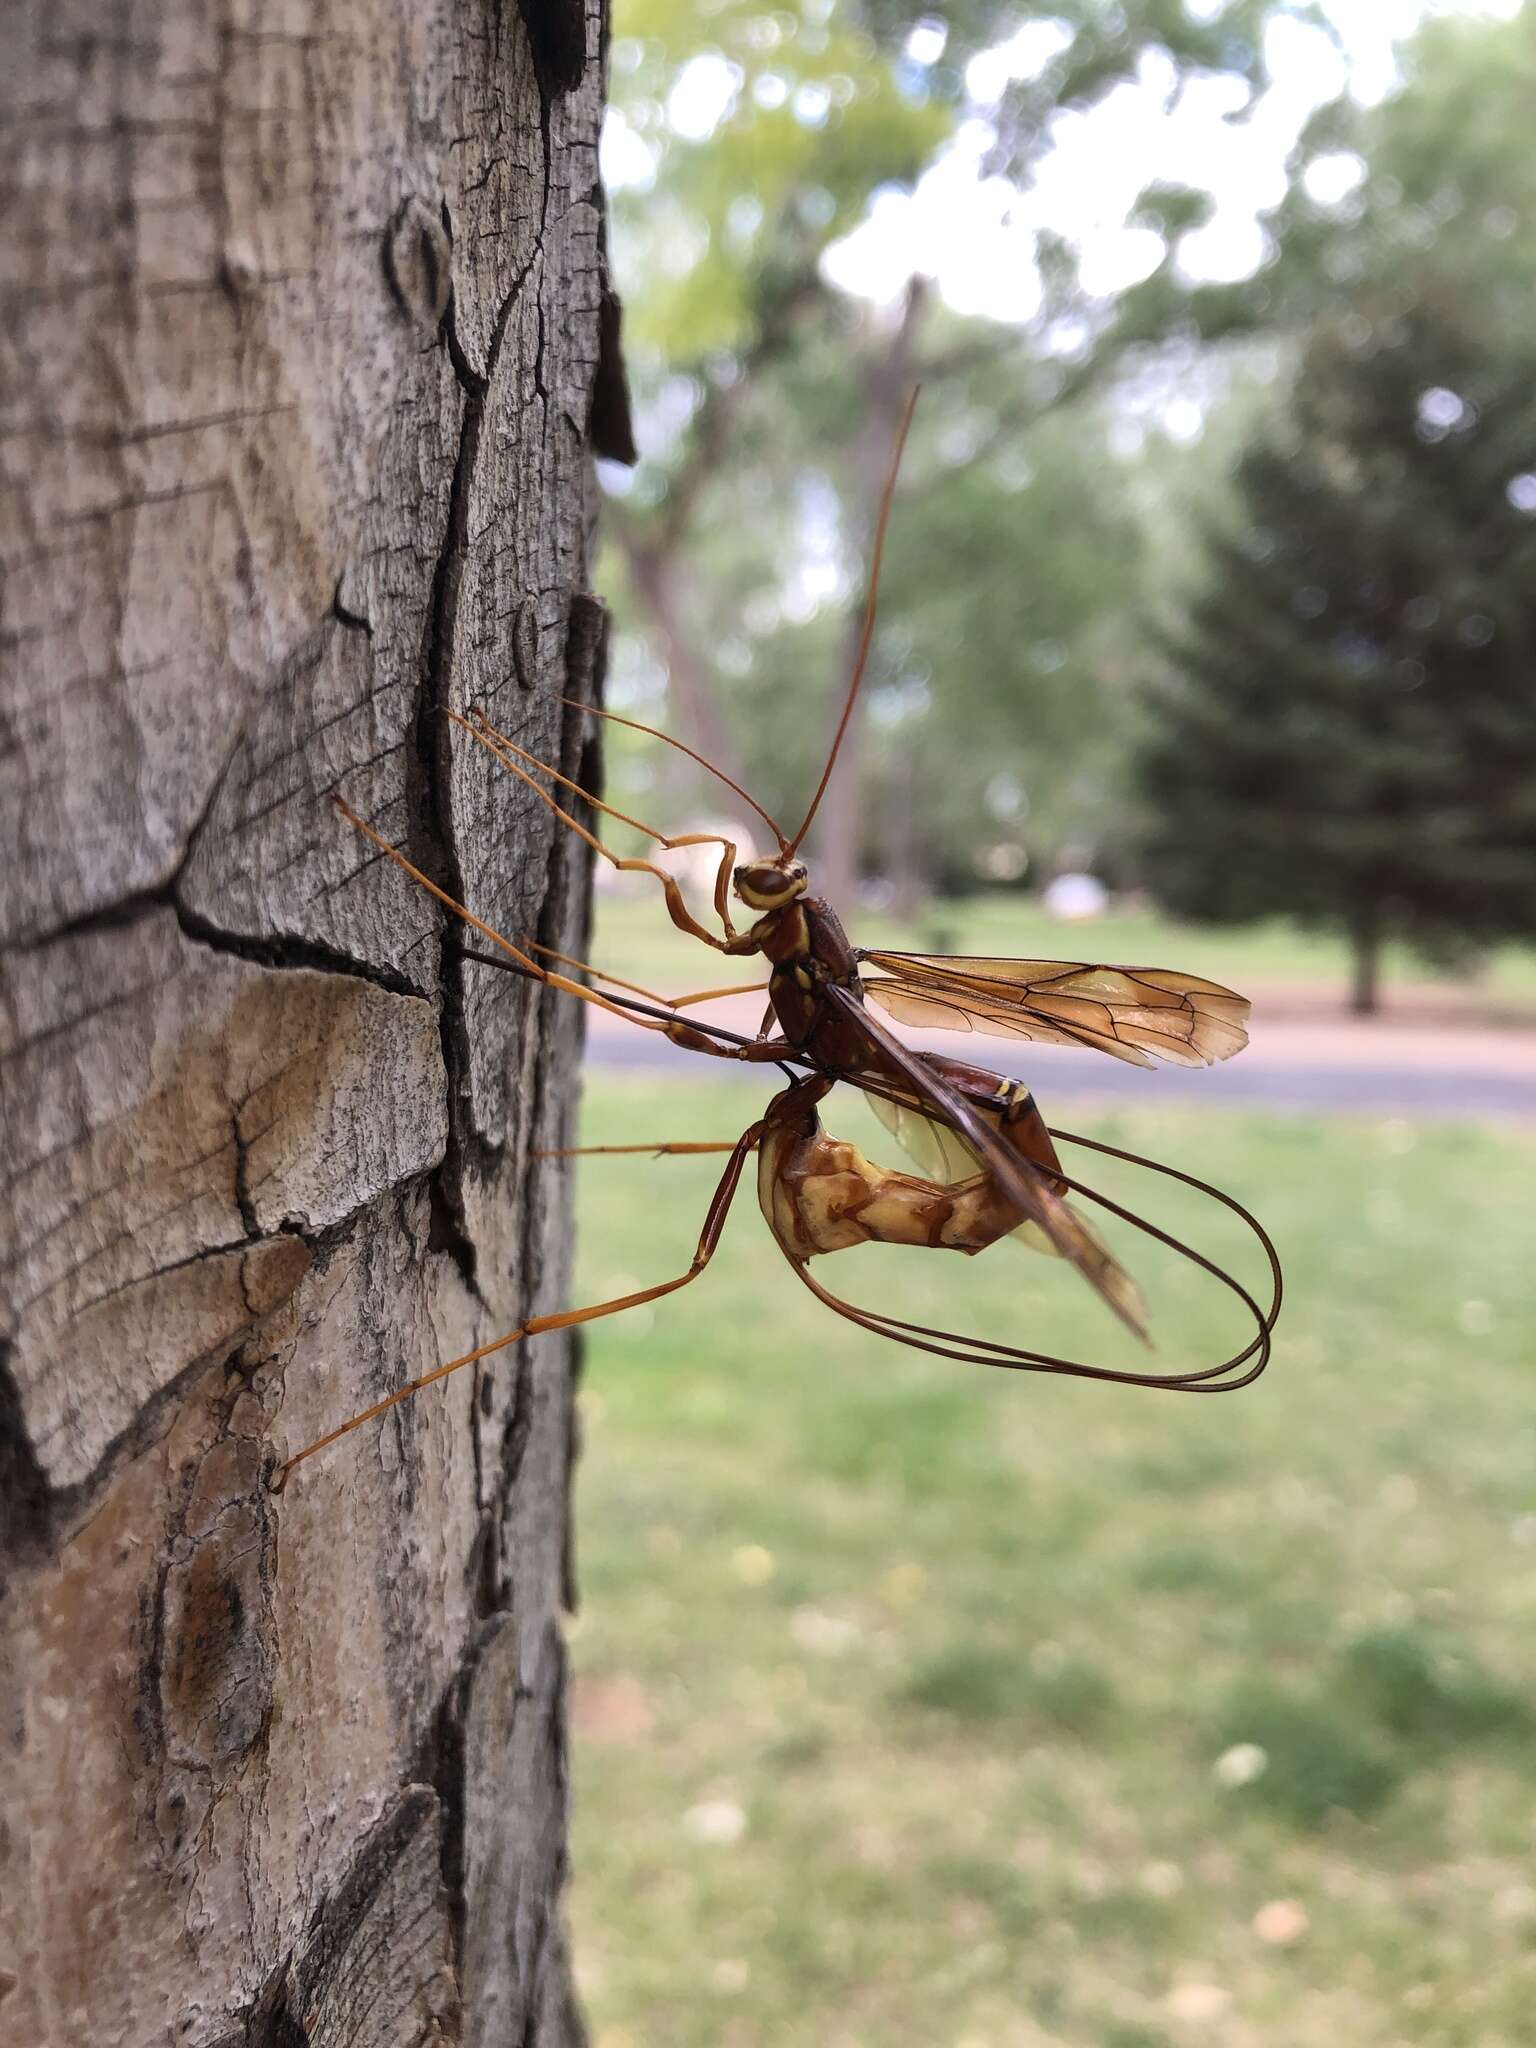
(301, 322)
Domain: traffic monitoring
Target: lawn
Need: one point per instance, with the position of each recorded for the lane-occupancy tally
(918, 1704)
(633, 938)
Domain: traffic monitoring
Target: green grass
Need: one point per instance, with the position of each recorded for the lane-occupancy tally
(634, 939)
(964, 1651)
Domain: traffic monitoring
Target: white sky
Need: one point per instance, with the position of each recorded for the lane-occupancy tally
(975, 235)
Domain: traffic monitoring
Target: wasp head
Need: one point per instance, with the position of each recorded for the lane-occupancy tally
(769, 884)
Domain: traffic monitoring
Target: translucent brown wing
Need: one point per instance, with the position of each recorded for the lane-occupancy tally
(1019, 1181)
(1132, 1013)
(943, 1155)
(935, 1150)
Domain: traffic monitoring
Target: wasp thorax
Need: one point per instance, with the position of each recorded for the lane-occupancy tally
(769, 884)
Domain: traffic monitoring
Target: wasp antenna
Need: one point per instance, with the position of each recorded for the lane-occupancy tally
(653, 732)
(870, 608)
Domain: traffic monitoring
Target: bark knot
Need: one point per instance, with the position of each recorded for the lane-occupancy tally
(418, 262)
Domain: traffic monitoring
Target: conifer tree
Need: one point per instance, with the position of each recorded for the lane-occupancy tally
(1344, 726)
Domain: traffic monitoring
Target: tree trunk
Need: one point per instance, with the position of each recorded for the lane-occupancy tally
(905, 868)
(693, 698)
(1365, 962)
(887, 378)
(300, 332)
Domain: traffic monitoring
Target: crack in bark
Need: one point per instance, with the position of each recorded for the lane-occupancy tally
(586, 676)
(243, 1201)
(543, 1962)
(66, 1511)
(126, 909)
(548, 1952)
(26, 1503)
(586, 640)
(557, 38)
(442, 1759)
(444, 1749)
(198, 1257)
(439, 1762)
(450, 1234)
(349, 621)
(299, 1986)
(284, 952)
(471, 383)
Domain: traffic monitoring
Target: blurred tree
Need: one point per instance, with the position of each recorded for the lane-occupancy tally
(1439, 178)
(998, 679)
(751, 142)
(997, 685)
(1345, 729)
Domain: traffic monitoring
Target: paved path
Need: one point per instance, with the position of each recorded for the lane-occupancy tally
(1393, 1066)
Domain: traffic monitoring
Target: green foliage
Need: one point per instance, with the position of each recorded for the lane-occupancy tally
(1429, 1689)
(1186, 1568)
(1446, 185)
(1345, 728)
(1001, 665)
(1316, 1761)
(996, 690)
(1073, 1695)
(1006, 1893)
(819, 107)
(974, 1683)
(914, 1874)
(970, 1682)
(815, 116)
(997, 726)
(1398, 1700)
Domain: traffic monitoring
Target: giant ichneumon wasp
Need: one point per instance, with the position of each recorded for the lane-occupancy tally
(990, 1167)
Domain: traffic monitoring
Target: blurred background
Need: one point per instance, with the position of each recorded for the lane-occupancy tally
(917, 1704)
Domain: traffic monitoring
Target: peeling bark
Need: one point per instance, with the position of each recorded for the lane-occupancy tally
(302, 315)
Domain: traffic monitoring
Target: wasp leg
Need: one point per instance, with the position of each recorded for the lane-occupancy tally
(709, 1238)
(502, 749)
(705, 995)
(514, 958)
